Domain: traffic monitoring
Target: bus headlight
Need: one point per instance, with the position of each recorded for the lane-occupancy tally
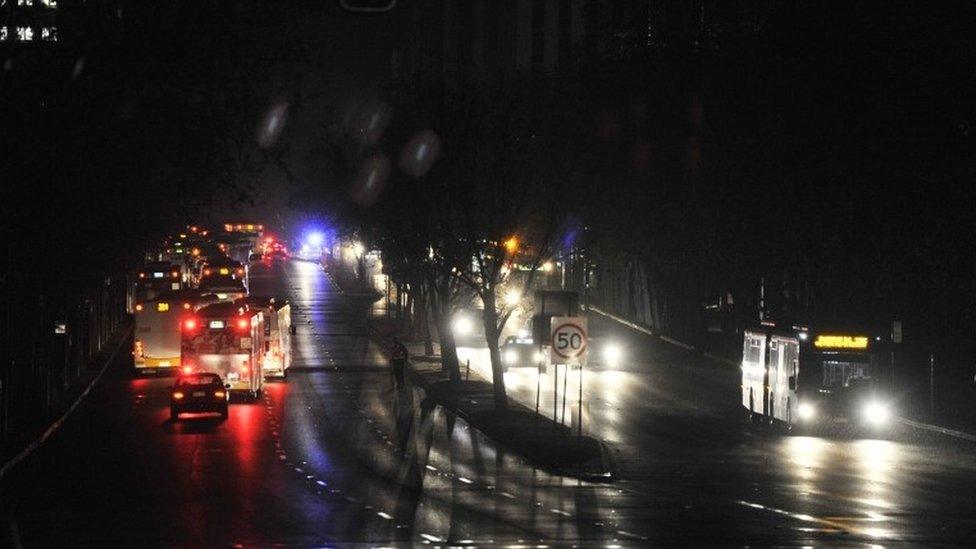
(510, 357)
(877, 413)
(806, 411)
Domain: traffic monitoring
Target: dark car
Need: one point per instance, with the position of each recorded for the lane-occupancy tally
(198, 393)
(521, 352)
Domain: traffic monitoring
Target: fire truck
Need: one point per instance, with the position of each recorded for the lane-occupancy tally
(227, 339)
(277, 333)
(811, 379)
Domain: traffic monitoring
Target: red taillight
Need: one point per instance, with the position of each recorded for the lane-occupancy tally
(220, 394)
(175, 274)
(187, 369)
(142, 275)
(138, 307)
(190, 324)
(186, 306)
(178, 395)
(240, 272)
(242, 323)
(206, 272)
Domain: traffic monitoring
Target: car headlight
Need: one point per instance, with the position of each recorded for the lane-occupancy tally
(806, 411)
(612, 354)
(877, 413)
(510, 357)
(462, 326)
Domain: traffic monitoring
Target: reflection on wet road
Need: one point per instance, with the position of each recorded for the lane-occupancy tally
(335, 454)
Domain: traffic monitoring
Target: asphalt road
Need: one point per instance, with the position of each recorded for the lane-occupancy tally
(336, 455)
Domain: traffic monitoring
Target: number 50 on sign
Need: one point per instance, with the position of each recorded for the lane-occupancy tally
(569, 340)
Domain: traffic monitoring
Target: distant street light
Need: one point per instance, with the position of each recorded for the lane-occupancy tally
(547, 267)
(511, 245)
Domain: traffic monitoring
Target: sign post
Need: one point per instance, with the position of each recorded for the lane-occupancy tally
(569, 345)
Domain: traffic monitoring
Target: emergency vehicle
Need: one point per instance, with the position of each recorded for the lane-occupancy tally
(226, 339)
(277, 332)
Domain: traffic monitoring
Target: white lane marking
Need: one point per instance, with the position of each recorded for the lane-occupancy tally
(509, 496)
(561, 512)
(466, 480)
(384, 515)
(321, 483)
(938, 429)
(430, 538)
(630, 534)
(57, 424)
(431, 468)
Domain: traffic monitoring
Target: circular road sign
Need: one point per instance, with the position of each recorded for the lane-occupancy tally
(569, 340)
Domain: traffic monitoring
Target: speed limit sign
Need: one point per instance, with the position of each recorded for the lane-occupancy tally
(569, 339)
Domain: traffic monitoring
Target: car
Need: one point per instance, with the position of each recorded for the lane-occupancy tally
(198, 393)
(521, 352)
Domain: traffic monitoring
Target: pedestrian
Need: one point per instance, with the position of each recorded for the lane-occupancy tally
(399, 357)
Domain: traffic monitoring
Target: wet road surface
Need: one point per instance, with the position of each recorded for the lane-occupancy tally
(335, 454)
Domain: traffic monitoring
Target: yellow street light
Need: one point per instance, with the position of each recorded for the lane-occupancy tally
(511, 245)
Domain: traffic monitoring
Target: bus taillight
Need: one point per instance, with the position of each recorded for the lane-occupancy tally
(190, 324)
(242, 323)
(187, 369)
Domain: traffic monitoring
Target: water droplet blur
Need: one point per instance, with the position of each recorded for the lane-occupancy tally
(271, 126)
(371, 180)
(79, 66)
(420, 153)
(376, 118)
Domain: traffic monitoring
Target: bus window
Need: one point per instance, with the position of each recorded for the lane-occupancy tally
(837, 374)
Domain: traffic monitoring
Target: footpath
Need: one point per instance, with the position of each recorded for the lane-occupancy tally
(548, 445)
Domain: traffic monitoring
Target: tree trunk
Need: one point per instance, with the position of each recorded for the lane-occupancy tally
(423, 320)
(442, 318)
(490, 321)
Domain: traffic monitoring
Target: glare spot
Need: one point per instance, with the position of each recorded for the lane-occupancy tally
(79, 66)
(371, 180)
(271, 126)
(420, 153)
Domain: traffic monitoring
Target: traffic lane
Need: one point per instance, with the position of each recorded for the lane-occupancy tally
(678, 428)
(119, 472)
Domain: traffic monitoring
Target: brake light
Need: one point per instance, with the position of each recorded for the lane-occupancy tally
(242, 323)
(220, 394)
(175, 274)
(138, 307)
(206, 272)
(186, 306)
(187, 369)
(190, 324)
(240, 272)
(142, 275)
(178, 395)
